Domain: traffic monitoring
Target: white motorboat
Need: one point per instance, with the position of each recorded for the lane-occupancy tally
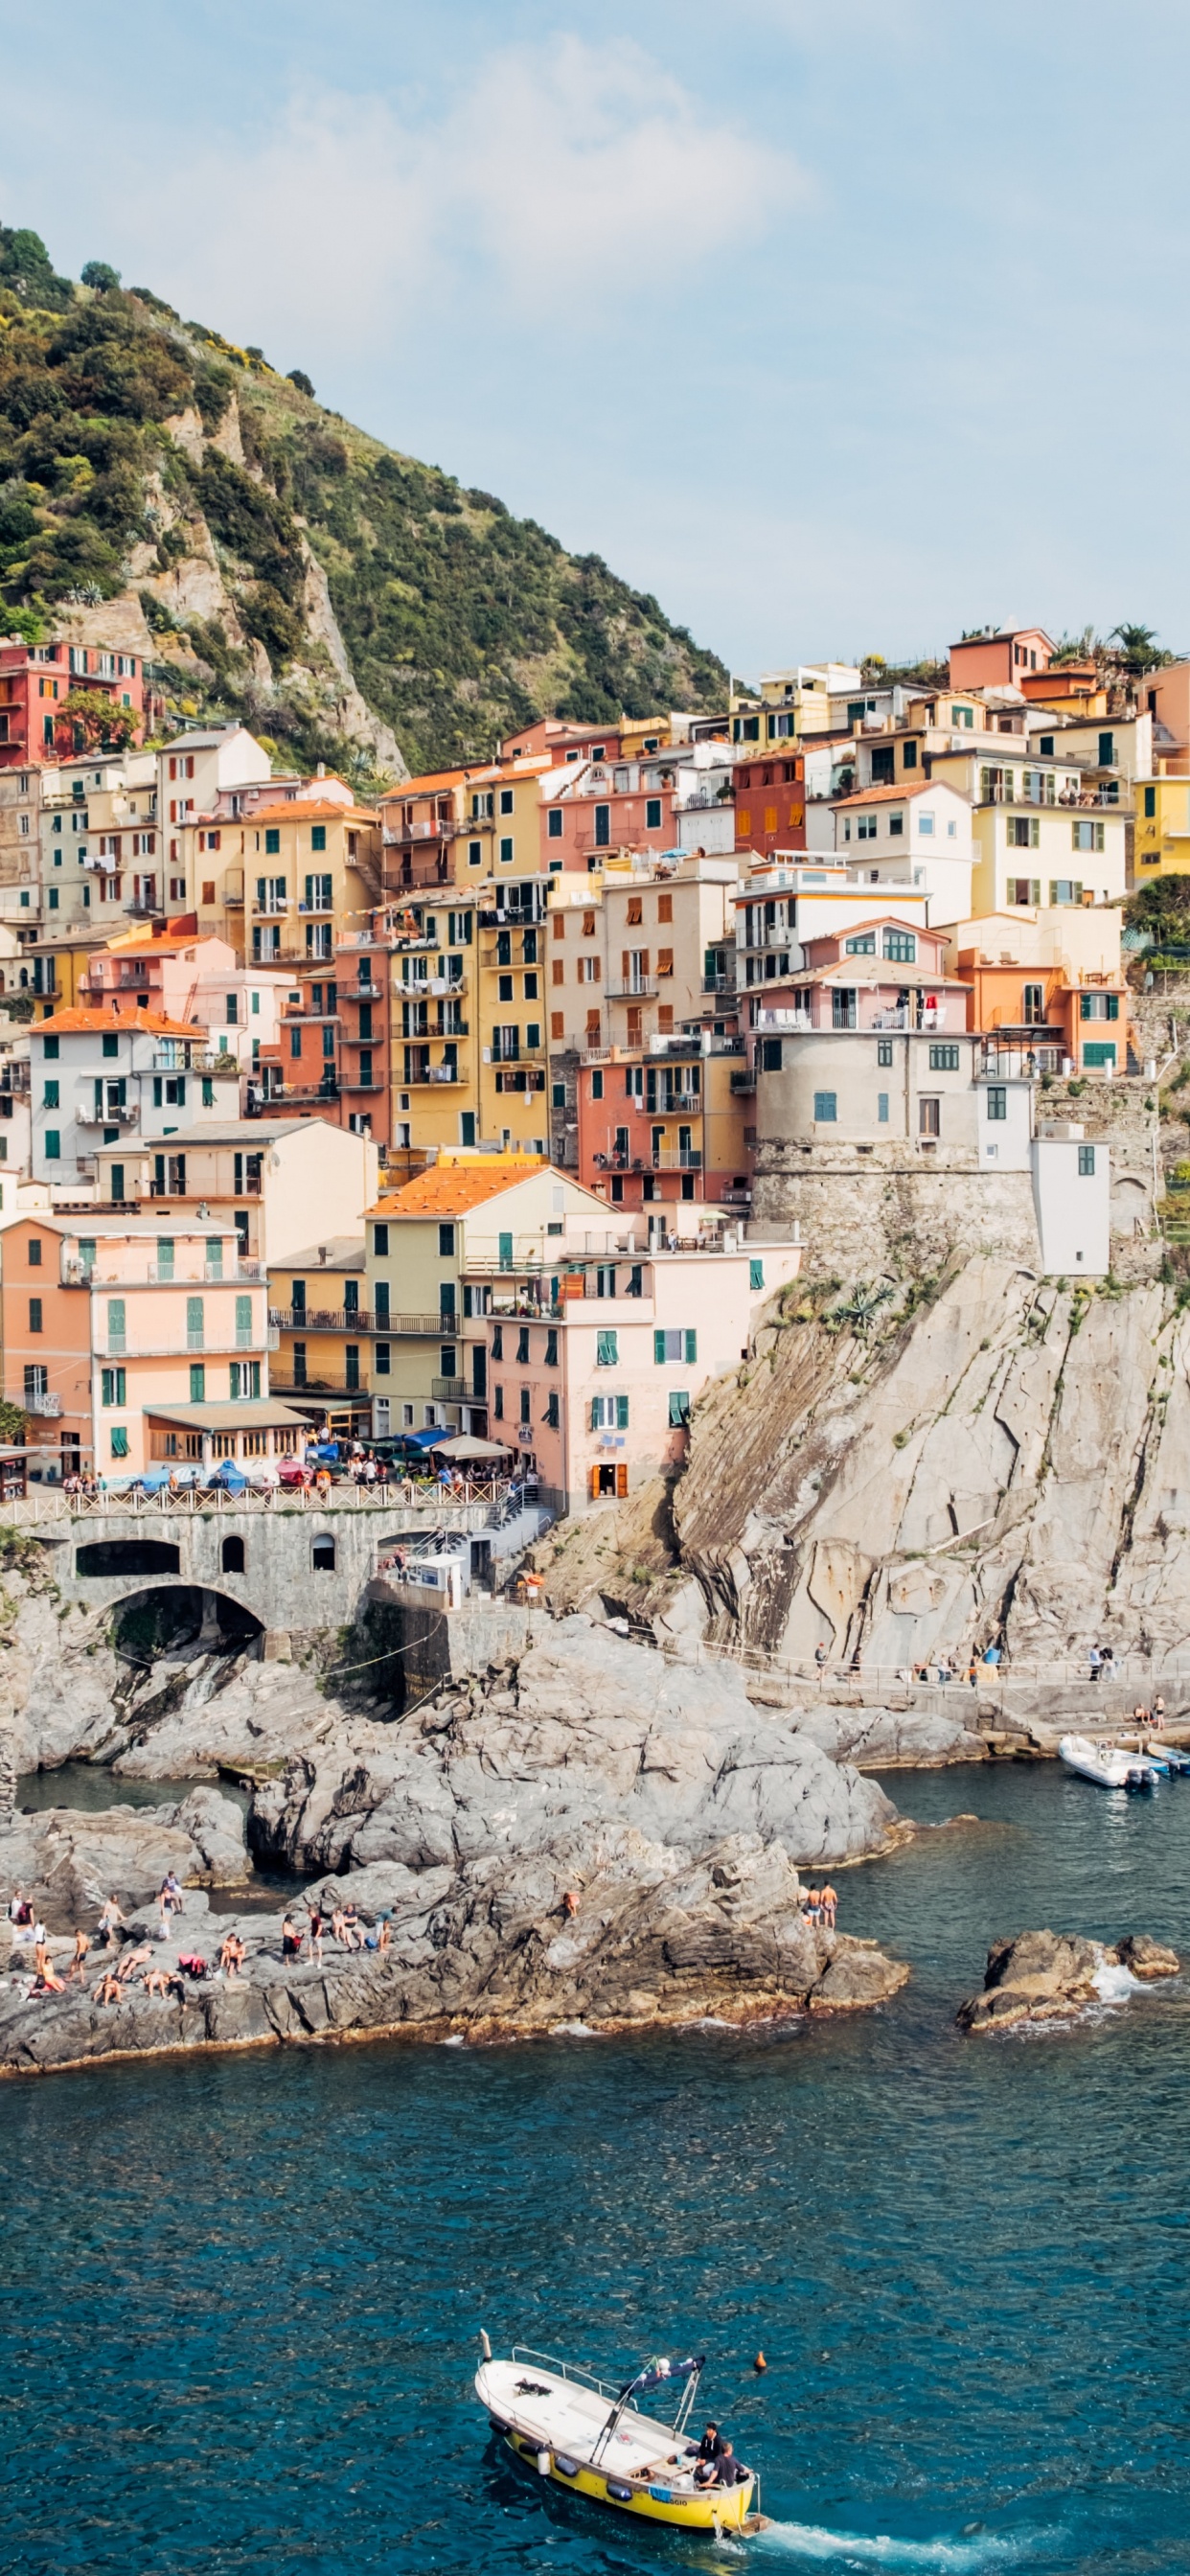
(1110, 1766)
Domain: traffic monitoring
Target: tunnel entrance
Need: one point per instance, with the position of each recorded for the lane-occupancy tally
(183, 1619)
(127, 1556)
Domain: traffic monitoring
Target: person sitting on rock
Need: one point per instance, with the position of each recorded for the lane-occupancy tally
(111, 1922)
(162, 1981)
(44, 1976)
(232, 1955)
(352, 1933)
(109, 1989)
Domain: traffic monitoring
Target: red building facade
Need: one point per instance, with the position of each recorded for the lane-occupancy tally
(35, 682)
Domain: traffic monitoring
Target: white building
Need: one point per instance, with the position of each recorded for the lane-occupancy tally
(98, 1076)
(906, 836)
(1072, 1199)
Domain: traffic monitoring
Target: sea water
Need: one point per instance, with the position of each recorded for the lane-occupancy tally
(243, 2293)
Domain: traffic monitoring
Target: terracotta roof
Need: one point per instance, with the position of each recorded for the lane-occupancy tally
(303, 809)
(449, 1189)
(889, 795)
(76, 1022)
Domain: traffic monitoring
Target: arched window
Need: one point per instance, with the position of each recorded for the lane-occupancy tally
(322, 1556)
(233, 1556)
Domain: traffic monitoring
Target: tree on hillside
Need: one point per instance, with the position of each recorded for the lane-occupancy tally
(97, 718)
(297, 376)
(100, 276)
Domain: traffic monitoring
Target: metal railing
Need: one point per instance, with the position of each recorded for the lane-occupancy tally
(449, 1505)
(322, 1319)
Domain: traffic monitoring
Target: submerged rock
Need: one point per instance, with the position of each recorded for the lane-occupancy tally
(1047, 1976)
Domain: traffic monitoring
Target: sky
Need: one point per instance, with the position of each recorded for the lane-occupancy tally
(839, 327)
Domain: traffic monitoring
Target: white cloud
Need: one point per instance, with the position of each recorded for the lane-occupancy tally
(337, 222)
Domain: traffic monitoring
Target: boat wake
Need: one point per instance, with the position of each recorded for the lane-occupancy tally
(965, 2556)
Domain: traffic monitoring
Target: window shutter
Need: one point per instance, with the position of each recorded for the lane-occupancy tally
(756, 1274)
(596, 1412)
(692, 1346)
(621, 1413)
(594, 1484)
(1113, 1006)
(621, 1481)
(1034, 832)
(1035, 892)
(659, 1349)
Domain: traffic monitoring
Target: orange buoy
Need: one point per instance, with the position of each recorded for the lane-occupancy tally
(760, 2363)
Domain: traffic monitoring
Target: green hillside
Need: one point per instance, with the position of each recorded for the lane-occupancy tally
(455, 621)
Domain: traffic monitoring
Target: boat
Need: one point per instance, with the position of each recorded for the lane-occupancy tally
(1110, 1766)
(591, 2438)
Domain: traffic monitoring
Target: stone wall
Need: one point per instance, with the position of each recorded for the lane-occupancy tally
(864, 1214)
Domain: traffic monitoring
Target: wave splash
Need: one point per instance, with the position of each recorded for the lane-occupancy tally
(962, 2557)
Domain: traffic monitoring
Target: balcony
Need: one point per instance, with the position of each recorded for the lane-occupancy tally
(355, 1082)
(125, 1114)
(225, 1067)
(683, 1158)
(49, 1406)
(641, 988)
(450, 1390)
(323, 1319)
(719, 984)
(744, 1079)
(323, 910)
(429, 1073)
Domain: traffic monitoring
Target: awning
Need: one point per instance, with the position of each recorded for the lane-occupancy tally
(464, 1445)
(259, 1413)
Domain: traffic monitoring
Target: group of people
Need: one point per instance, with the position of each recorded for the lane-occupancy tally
(139, 1964)
(715, 2462)
(344, 1926)
(820, 1905)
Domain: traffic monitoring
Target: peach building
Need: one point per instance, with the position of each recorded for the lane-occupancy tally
(593, 1374)
(1000, 661)
(128, 1340)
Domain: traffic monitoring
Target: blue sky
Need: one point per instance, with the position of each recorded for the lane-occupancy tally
(839, 327)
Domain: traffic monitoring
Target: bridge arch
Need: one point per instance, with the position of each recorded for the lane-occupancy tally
(154, 1618)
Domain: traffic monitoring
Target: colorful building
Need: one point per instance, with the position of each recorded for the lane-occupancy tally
(471, 1214)
(119, 1336)
(666, 1129)
(1162, 842)
(1044, 1005)
(121, 1077)
(261, 1178)
(321, 1330)
(1000, 661)
(37, 679)
(770, 804)
(594, 1368)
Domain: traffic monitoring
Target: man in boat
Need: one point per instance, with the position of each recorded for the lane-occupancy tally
(706, 2455)
(726, 2470)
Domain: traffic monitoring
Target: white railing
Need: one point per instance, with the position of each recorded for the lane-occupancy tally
(448, 1504)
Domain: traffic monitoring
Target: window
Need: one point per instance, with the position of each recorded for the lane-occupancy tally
(51, 1048)
(554, 823)
(1024, 890)
(111, 1046)
(1086, 1162)
(116, 1324)
(1099, 1051)
(474, 853)
(1150, 802)
(50, 1098)
(1023, 831)
(1065, 890)
(944, 1059)
(863, 945)
(119, 1440)
(506, 849)
(925, 825)
(318, 836)
(497, 1341)
(770, 1055)
(826, 1108)
(607, 1350)
(380, 1240)
(900, 945)
(195, 1334)
(755, 1275)
(896, 826)
(865, 829)
(1086, 836)
(997, 1102)
(52, 1145)
(498, 1399)
(243, 1323)
(112, 1386)
(652, 813)
(1099, 1006)
(929, 1117)
(843, 1007)
(884, 1051)
(882, 1108)
(552, 1417)
(272, 844)
(670, 1345)
(37, 1380)
(198, 1382)
(603, 827)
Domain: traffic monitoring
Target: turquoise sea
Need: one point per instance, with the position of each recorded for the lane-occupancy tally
(241, 2297)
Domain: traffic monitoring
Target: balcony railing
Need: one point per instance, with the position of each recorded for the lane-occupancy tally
(451, 1390)
(124, 1114)
(683, 1158)
(640, 988)
(322, 1319)
(48, 1405)
(718, 983)
(437, 1328)
(744, 1079)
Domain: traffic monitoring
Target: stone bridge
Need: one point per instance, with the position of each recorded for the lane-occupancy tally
(296, 1565)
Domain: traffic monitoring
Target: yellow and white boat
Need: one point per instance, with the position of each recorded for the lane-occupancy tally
(570, 2427)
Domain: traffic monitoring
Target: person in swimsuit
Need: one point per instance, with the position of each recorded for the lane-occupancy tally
(830, 1906)
(291, 1939)
(315, 1922)
(77, 1965)
(232, 1955)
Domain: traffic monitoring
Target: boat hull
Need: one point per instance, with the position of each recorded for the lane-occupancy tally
(716, 2509)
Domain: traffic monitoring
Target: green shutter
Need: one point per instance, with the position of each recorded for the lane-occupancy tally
(607, 1353)
(621, 1413)
(506, 1252)
(198, 1382)
(692, 1346)
(243, 1316)
(194, 1323)
(1113, 1006)
(116, 1326)
(756, 1274)
(596, 1412)
(235, 1380)
(659, 1349)
(119, 1441)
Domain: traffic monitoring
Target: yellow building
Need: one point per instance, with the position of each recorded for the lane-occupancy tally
(282, 884)
(319, 1322)
(493, 1212)
(1162, 847)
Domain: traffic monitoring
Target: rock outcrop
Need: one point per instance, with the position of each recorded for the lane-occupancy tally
(1011, 1459)
(1048, 1976)
(588, 1733)
(491, 1950)
(67, 1862)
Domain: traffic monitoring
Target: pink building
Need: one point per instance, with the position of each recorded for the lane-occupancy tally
(592, 1375)
(1000, 661)
(605, 805)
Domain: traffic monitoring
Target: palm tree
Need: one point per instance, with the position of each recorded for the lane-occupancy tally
(1138, 649)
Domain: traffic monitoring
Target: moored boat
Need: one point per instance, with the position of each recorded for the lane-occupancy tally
(1110, 1766)
(591, 2438)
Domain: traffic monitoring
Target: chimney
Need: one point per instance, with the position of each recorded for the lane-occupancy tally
(322, 1253)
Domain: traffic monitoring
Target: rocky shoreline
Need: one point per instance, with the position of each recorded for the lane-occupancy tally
(592, 1839)
(1054, 1976)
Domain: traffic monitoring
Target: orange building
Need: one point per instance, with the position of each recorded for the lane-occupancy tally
(1000, 661)
(1050, 1014)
